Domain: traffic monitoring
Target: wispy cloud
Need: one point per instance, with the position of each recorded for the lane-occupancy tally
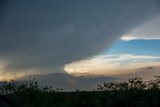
(111, 65)
(139, 37)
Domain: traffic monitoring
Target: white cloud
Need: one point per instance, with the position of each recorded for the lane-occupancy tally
(132, 37)
(128, 38)
(139, 37)
(111, 65)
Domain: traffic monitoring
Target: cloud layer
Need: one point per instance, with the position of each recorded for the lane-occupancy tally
(38, 35)
(112, 65)
(147, 31)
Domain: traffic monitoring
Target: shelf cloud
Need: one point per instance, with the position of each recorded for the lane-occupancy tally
(43, 35)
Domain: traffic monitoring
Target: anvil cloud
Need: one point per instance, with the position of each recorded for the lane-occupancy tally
(43, 35)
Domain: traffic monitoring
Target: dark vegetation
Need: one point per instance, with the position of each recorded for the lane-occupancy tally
(131, 93)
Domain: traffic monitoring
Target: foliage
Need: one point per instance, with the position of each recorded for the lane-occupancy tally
(131, 93)
(14, 87)
(135, 83)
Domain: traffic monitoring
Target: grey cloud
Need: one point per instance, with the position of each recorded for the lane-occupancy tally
(50, 33)
(148, 30)
(68, 82)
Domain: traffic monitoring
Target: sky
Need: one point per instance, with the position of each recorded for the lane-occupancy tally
(135, 53)
(87, 37)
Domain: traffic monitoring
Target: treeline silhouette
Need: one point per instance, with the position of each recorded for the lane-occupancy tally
(131, 93)
(135, 83)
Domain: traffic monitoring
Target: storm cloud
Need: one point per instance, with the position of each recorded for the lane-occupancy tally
(149, 30)
(46, 34)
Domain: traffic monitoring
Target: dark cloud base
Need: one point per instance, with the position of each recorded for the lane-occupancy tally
(46, 34)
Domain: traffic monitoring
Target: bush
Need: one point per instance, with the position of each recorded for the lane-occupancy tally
(135, 83)
(14, 87)
(131, 93)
